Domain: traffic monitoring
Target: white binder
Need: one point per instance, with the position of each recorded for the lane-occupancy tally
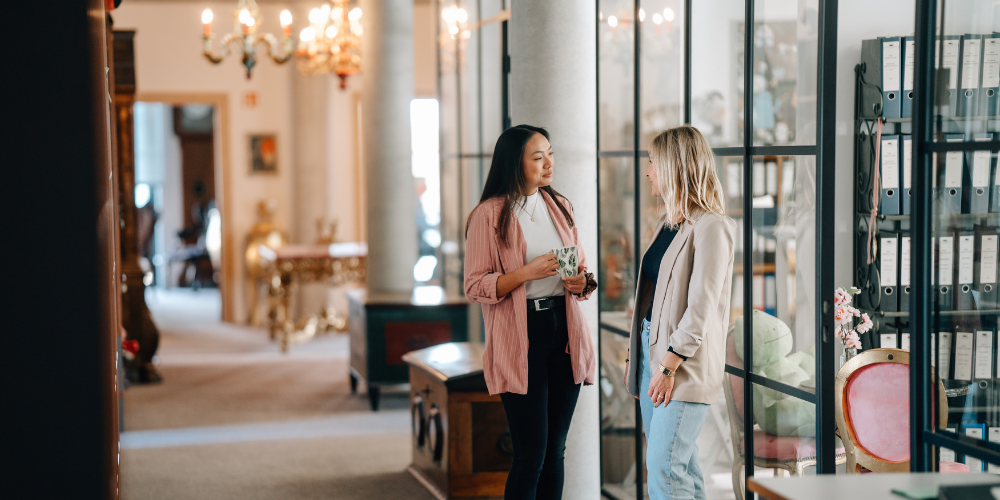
(964, 342)
(984, 355)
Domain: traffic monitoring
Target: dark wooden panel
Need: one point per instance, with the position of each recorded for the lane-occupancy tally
(403, 337)
(491, 447)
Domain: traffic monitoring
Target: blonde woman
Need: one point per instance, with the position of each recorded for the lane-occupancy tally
(677, 354)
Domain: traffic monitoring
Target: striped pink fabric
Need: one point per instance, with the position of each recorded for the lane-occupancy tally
(505, 359)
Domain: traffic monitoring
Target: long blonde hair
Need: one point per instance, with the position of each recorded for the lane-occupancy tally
(685, 172)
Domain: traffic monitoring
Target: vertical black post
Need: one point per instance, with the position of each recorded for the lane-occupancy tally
(479, 88)
(748, 236)
(597, 159)
(826, 179)
(687, 61)
(441, 152)
(922, 211)
(637, 214)
(459, 148)
(505, 75)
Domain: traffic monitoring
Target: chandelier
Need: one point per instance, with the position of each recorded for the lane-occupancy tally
(246, 22)
(332, 42)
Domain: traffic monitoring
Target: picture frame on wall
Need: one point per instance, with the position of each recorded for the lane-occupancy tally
(263, 153)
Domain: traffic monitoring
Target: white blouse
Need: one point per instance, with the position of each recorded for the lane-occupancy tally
(541, 238)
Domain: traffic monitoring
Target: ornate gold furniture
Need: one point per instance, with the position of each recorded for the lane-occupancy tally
(290, 265)
(265, 232)
(873, 412)
(461, 443)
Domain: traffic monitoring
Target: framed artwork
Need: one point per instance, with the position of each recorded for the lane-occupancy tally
(263, 154)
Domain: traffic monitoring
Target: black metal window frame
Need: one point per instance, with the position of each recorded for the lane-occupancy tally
(824, 152)
(923, 386)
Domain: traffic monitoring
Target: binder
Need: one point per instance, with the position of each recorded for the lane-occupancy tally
(904, 341)
(989, 101)
(904, 274)
(963, 356)
(889, 165)
(949, 62)
(906, 168)
(880, 59)
(975, 431)
(983, 363)
(985, 270)
(976, 184)
(906, 109)
(944, 355)
(950, 193)
(947, 454)
(968, 75)
(887, 340)
(889, 271)
(964, 300)
(945, 272)
(994, 437)
(995, 187)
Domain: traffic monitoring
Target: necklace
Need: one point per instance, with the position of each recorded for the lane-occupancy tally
(533, 207)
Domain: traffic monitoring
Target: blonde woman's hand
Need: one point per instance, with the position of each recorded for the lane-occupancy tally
(661, 388)
(540, 267)
(575, 284)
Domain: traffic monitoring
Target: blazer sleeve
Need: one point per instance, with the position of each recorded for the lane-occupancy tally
(583, 259)
(713, 251)
(480, 247)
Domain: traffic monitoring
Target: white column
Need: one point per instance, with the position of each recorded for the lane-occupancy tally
(387, 48)
(554, 85)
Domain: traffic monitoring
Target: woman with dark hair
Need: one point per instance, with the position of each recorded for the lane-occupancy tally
(538, 348)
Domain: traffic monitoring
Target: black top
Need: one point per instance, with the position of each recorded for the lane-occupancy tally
(651, 265)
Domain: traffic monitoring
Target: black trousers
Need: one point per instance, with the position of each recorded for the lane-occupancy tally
(539, 420)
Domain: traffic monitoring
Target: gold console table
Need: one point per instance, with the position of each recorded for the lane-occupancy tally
(291, 265)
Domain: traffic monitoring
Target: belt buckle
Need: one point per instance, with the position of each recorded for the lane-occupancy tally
(538, 304)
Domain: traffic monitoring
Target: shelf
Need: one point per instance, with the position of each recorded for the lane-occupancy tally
(944, 217)
(766, 268)
(981, 312)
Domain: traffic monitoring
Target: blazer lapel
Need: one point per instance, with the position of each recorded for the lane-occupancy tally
(666, 268)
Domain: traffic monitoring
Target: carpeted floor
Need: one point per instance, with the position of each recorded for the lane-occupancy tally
(236, 418)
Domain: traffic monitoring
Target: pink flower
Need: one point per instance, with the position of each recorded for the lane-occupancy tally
(853, 341)
(866, 324)
(842, 315)
(841, 297)
(855, 312)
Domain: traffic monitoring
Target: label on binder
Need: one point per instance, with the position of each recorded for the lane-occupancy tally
(946, 260)
(965, 261)
(970, 63)
(975, 464)
(887, 341)
(953, 169)
(994, 437)
(988, 267)
(981, 168)
(984, 354)
(963, 356)
(907, 162)
(908, 66)
(890, 66)
(950, 60)
(904, 261)
(946, 454)
(904, 341)
(890, 163)
(991, 63)
(887, 275)
(944, 355)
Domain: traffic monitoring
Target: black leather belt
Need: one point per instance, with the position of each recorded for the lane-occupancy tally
(546, 303)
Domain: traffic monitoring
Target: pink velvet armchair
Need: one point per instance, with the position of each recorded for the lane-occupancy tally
(790, 453)
(873, 412)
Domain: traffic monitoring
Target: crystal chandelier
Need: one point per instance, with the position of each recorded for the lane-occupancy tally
(332, 42)
(246, 22)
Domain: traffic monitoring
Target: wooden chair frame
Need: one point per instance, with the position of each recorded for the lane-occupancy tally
(794, 466)
(857, 456)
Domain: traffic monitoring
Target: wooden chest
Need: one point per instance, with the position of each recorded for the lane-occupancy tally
(461, 442)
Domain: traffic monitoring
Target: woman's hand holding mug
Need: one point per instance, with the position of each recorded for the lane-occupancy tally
(541, 267)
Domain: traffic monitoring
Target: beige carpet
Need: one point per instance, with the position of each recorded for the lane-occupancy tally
(236, 418)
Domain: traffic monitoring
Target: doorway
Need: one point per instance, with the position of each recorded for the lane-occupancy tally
(180, 187)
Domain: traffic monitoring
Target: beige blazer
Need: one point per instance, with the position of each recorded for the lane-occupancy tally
(690, 307)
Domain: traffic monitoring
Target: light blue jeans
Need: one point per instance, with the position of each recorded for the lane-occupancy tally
(671, 439)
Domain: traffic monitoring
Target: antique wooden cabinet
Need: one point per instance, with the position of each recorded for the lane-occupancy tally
(461, 442)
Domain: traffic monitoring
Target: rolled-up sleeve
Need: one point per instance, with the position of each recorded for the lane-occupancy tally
(480, 246)
(713, 251)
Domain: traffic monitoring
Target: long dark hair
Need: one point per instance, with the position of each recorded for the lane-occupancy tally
(506, 177)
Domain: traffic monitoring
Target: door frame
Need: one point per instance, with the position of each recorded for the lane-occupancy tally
(223, 178)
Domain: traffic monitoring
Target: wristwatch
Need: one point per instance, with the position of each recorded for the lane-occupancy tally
(667, 372)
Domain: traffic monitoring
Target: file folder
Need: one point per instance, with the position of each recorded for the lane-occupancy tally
(995, 187)
(889, 271)
(963, 355)
(975, 431)
(889, 165)
(983, 364)
(904, 341)
(944, 355)
(950, 193)
(964, 300)
(887, 340)
(968, 75)
(906, 169)
(949, 62)
(989, 101)
(906, 109)
(881, 61)
(946, 274)
(994, 437)
(976, 188)
(986, 269)
(904, 274)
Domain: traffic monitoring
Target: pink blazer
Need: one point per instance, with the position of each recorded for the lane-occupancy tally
(505, 359)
